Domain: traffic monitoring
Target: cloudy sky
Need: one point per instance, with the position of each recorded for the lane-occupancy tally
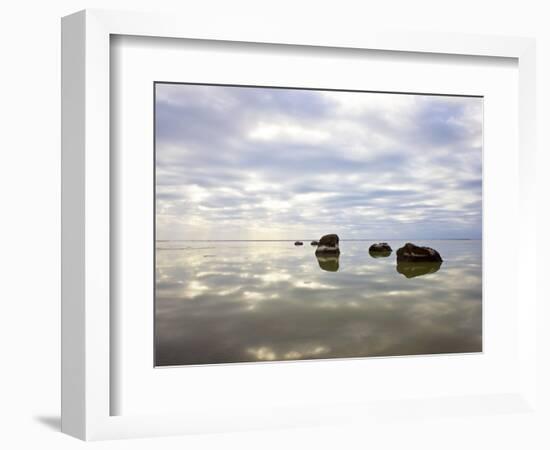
(259, 163)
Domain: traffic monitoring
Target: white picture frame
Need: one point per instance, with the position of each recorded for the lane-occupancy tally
(86, 219)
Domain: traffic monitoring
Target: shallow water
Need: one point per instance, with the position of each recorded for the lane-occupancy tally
(223, 302)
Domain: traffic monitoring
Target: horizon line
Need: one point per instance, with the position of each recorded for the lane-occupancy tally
(309, 239)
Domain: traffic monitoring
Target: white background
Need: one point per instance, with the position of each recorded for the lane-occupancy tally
(30, 137)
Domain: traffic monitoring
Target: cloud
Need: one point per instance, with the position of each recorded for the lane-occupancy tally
(264, 163)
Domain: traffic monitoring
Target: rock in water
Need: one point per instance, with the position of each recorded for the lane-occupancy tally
(328, 244)
(417, 269)
(413, 253)
(380, 250)
(380, 247)
(298, 243)
(329, 263)
(379, 254)
(314, 242)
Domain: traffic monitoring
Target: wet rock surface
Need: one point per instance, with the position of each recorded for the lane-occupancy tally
(328, 244)
(380, 250)
(414, 253)
(380, 247)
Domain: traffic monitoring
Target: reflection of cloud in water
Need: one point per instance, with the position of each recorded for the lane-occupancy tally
(229, 291)
(268, 301)
(253, 295)
(194, 289)
(268, 354)
(301, 284)
(274, 277)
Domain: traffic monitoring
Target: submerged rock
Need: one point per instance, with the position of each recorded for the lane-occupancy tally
(329, 263)
(298, 243)
(413, 253)
(328, 244)
(417, 269)
(380, 250)
(314, 242)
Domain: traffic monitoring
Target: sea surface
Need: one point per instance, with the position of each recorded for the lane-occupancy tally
(247, 301)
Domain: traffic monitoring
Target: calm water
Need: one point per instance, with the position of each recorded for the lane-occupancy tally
(222, 302)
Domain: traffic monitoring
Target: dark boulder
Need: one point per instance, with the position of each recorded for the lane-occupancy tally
(298, 243)
(330, 240)
(417, 269)
(380, 247)
(314, 242)
(413, 253)
(380, 250)
(329, 263)
(328, 244)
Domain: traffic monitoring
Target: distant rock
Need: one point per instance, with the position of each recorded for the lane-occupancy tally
(413, 253)
(417, 269)
(380, 247)
(329, 263)
(328, 244)
(380, 250)
(314, 242)
(298, 243)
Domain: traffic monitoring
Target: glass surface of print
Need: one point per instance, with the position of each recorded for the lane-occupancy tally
(251, 184)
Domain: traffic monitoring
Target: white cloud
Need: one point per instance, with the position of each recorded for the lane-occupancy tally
(254, 163)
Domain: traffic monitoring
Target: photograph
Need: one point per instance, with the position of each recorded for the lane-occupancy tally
(298, 224)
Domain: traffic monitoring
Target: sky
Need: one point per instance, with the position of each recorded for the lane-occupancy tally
(266, 163)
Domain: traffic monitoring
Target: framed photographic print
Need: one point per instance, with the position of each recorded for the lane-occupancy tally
(267, 228)
(271, 205)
